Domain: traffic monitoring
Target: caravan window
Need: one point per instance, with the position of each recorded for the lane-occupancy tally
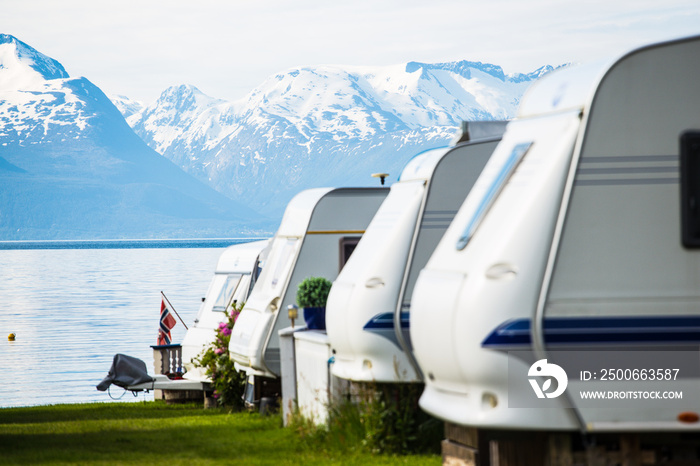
(501, 176)
(690, 189)
(243, 290)
(255, 275)
(284, 262)
(347, 246)
(225, 298)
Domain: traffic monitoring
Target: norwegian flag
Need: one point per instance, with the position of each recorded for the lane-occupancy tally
(167, 322)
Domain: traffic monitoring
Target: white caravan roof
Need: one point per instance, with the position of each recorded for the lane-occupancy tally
(240, 257)
(298, 213)
(562, 90)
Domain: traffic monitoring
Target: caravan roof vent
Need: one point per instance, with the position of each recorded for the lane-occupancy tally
(474, 130)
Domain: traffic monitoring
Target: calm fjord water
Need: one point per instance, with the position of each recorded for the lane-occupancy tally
(74, 309)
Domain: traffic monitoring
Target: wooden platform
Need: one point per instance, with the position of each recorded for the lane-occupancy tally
(162, 382)
(465, 446)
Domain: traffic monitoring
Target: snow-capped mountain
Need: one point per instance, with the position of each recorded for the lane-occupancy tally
(71, 167)
(324, 125)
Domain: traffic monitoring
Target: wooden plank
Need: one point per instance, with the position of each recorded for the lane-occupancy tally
(527, 451)
(596, 456)
(455, 454)
(559, 449)
(461, 434)
(648, 457)
(630, 451)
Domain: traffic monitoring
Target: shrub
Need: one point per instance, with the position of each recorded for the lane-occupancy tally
(381, 418)
(228, 384)
(313, 292)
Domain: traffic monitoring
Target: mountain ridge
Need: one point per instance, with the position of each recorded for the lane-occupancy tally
(62, 142)
(318, 116)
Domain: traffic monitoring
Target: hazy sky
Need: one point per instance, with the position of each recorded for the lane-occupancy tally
(226, 48)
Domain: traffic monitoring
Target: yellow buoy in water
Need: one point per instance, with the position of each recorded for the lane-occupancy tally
(11, 337)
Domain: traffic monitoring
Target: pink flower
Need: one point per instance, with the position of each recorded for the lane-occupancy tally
(219, 351)
(226, 331)
(222, 325)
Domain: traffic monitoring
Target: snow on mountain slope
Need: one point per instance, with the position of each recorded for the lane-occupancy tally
(72, 168)
(126, 106)
(183, 111)
(313, 126)
(362, 101)
(35, 102)
(23, 66)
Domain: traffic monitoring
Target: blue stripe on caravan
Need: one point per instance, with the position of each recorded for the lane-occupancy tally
(599, 330)
(386, 320)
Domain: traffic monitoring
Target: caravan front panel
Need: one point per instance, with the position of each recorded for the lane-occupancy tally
(370, 303)
(236, 272)
(308, 243)
(487, 268)
(368, 289)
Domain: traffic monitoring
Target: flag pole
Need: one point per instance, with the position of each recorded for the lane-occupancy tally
(171, 307)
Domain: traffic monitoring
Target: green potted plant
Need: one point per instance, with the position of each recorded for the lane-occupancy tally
(312, 295)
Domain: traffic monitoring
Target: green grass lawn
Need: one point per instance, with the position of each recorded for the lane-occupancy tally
(152, 433)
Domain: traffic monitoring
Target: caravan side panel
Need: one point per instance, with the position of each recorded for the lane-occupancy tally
(620, 253)
(452, 180)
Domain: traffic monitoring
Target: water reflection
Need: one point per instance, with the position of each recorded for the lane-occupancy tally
(74, 309)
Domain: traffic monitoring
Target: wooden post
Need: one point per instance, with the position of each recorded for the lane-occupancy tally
(454, 454)
(595, 456)
(461, 446)
(559, 445)
(518, 449)
(630, 451)
(158, 368)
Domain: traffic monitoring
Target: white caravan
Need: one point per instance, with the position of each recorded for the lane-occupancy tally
(573, 238)
(367, 315)
(236, 271)
(319, 230)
